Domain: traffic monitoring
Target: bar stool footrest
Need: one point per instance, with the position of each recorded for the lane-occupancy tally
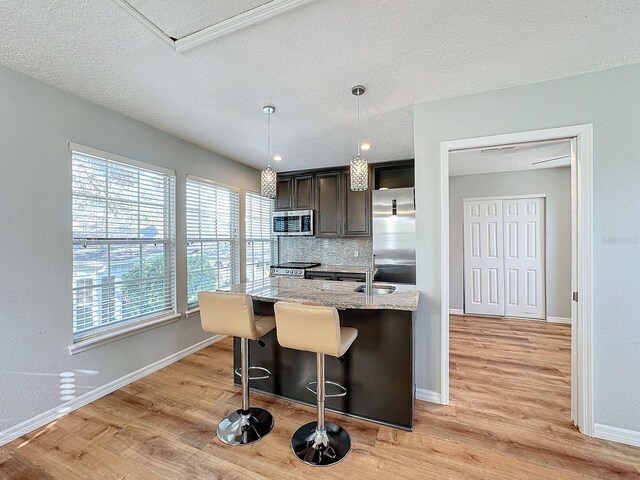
(343, 390)
(238, 372)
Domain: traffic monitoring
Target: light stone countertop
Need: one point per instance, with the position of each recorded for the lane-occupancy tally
(333, 294)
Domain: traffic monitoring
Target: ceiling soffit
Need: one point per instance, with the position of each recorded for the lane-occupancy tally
(226, 23)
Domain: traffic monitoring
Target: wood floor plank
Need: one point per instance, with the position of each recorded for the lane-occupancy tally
(509, 419)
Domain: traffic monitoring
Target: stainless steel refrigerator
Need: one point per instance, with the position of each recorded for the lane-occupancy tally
(394, 235)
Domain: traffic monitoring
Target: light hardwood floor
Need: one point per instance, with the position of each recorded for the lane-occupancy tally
(509, 419)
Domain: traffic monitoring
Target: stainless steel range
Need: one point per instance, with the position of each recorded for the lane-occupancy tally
(291, 269)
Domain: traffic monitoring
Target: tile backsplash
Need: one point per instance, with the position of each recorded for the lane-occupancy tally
(328, 251)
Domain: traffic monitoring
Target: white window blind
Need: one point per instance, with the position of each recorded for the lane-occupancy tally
(123, 241)
(261, 244)
(213, 250)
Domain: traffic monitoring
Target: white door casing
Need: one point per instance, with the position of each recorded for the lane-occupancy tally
(582, 259)
(524, 257)
(483, 257)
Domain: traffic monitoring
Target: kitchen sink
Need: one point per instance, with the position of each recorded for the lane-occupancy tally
(377, 289)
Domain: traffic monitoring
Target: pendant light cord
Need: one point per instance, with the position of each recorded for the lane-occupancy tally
(358, 135)
(269, 140)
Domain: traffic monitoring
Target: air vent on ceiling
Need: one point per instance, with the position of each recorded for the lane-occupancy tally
(498, 149)
(550, 159)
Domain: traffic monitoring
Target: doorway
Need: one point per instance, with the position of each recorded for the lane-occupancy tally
(580, 138)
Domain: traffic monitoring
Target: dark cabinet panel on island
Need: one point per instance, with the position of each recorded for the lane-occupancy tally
(377, 370)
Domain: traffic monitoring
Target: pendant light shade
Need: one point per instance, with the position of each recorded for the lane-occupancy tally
(359, 174)
(268, 177)
(268, 180)
(359, 169)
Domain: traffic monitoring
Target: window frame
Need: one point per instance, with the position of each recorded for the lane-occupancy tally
(235, 241)
(272, 237)
(99, 335)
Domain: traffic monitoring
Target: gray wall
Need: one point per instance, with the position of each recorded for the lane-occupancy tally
(328, 251)
(36, 123)
(556, 183)
(610, 101)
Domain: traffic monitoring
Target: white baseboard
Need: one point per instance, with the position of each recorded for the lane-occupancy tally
(61, 410)
(456, 311)
(566, 320)
(616, 434)
(428, 395)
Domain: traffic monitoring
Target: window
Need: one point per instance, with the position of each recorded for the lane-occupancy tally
(213, 250)
(123, 241)
(261, 244)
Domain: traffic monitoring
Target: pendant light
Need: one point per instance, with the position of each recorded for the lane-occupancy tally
(268, 177)
(358, 169)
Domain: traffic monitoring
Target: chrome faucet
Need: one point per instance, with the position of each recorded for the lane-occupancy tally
(369, 276)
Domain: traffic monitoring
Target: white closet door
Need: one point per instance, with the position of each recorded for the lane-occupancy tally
(524, 257)
(483, 257)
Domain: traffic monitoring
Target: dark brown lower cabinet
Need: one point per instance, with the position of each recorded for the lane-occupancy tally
(320, 276)
(336, 276)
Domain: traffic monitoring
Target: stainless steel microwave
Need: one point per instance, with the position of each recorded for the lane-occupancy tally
(292, 222)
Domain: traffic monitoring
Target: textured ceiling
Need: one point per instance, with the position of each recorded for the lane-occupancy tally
(182, 18)
(523, 156)
(305, 62)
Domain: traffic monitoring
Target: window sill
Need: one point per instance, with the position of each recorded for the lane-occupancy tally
(192, 312)
(117, 334)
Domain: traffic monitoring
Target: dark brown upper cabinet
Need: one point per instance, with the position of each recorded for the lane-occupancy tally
(303, 192)
(329, 212)
(339, 212)
(357, 210)
(400, 174)
(284, 193)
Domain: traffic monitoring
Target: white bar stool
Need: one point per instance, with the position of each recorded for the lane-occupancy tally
(227, 313)
(316, 329)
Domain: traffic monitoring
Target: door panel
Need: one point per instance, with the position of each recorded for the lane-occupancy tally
(303, 192)
(483, 257)
(524, 259)
(357, 219)
(512, 287)
(284, 195)
(329, 211)
(493, 286)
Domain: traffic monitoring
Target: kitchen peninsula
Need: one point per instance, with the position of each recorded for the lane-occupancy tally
(378, 368)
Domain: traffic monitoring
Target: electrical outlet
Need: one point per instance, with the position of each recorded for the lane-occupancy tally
(356, 253)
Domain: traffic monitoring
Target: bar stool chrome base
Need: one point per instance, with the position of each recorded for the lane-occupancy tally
(321, 449)
(239, 429)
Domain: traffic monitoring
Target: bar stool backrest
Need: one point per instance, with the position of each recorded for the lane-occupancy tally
(308, 327)
(227, 313)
